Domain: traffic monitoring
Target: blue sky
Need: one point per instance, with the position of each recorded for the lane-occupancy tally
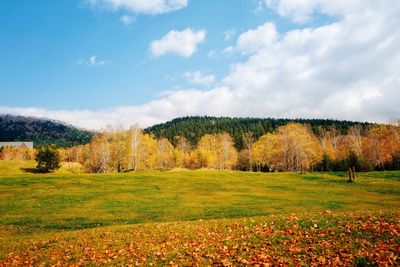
(95, 62)
(41, 45)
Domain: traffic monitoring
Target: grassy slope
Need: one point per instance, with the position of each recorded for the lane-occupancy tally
(72, 201)
(40, 206)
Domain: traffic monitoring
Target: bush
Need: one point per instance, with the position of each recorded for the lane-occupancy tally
(48, 159)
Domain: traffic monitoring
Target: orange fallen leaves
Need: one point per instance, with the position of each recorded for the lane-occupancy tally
(331, 240)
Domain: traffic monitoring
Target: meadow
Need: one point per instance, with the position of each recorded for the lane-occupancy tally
(105, 214)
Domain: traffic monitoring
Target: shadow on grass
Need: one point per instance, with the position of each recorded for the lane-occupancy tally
(30, 170)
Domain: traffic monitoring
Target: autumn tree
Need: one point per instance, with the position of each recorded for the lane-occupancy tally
(216, 151)
(147, 153)
(164, 154)
(226, 152)
(136, 139)
(97, 155)
(119, 149)
(301, 148)
(72, 154)
(182, 152)
(268, 151)
(17, 153)
(379, 145)
(293, 147)
(247, 152)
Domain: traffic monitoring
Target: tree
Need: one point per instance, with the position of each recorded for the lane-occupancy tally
(301, 148)
(182, 152)
(355, 140)
(248, 141)
(226, 154)
(379, 146)
(147, 150)
(16, 153)
(96, 155)
(119, 149)
(48, 159)
(136, 139)
(164, 154)
(326, 163)
(216, 151)
(268, 152)
(353, 161)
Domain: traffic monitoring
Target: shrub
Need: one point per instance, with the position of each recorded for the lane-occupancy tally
(48, 159)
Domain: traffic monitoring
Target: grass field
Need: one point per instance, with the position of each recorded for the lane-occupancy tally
(57, 208)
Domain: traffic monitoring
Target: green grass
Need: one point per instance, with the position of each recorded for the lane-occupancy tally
(136, 215)
(67, 200)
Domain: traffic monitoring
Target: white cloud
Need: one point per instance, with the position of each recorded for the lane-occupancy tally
(299, 11)
(183, 43)
(127, 20)
(141, 6)
(197, 77)
(348, 69)
(254, 40)
(93, 62)
(228, 50)
(172, 104)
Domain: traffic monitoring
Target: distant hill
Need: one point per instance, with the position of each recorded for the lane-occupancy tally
(41, 131)
(193, 128)
(45, 131)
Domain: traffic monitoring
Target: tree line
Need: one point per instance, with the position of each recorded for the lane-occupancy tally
(193, 128)
(292, 147)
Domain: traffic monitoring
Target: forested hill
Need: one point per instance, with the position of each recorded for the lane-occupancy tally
(193, 128)
(41, 131)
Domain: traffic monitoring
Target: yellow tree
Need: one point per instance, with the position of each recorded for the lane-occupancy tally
(268, 151)
(355, 140)
(136, 140)
(74, 154)
(301, 148)
(395, 128)
(119, 149)
(329, 144)
(379, 145)
(182, 152)
(216, 151)
(206, 153)
(164, 154)
(227, 155)
(19, 154)
(246, 153)
(96, 155)
(147, 153)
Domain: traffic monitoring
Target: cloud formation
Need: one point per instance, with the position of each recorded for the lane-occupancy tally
(183, 43)
(196, 77)
(254, 40)
(152, 7)
(346, 69)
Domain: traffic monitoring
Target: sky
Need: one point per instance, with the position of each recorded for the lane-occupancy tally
(93, 63)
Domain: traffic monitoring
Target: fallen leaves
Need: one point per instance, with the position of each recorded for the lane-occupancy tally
(321, 239)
